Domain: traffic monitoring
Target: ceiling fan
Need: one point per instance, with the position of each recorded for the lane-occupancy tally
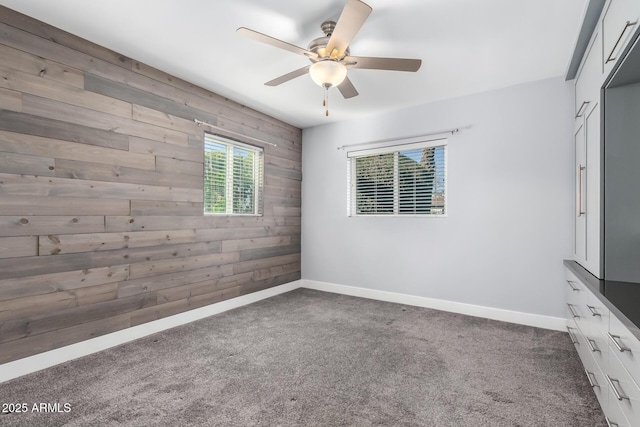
(329, 55)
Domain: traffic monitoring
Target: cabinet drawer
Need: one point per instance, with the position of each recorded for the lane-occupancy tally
(624, 390)
(577, 302)
(597, 379)
(619, 22)
(625, 346)
(576, 337)
(593, 372)
(615, 415)
(598, 316)
(597, 328)
(582, 345)
(597, 346)
(579, 313)
(598, 382)
(576, 292)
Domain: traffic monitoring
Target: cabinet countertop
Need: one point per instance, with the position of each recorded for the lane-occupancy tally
(622, 298)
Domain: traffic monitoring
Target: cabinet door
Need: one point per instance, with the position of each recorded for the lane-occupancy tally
(619, 22)
(589, 77)
(580, 222)
(592, 190)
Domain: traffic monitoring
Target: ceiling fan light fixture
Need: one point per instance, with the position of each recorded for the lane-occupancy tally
(327, 73)
(330, 54)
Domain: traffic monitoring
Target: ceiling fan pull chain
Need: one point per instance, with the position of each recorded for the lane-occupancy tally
(326, 100)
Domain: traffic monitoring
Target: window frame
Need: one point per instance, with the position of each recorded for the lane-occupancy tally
(258, 175)
(395, 149)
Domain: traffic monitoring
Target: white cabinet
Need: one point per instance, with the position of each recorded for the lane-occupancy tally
(608, 349)
(589, 77)
(624, 352)
(587, 159)
(619, 21)
(577, 326)
(587, 236)
(597, 322)
(625, 346)
(609, 352)
(592, 178)
(580, 218)
(624, 391)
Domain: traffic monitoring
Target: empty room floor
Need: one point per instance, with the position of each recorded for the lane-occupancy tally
(314, 358)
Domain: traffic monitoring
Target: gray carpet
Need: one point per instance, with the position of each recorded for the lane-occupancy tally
(309, 358)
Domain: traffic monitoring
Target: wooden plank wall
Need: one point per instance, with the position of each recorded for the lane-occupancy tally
(101, 223)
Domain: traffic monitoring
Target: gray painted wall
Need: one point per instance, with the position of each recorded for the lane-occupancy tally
(510, 204)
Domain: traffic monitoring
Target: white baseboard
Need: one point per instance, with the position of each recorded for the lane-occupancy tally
(41, 361)
(538, 321)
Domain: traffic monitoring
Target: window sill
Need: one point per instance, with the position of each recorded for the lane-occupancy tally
(398, 216)
(226, 214)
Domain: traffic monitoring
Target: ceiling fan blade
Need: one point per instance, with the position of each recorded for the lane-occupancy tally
(289, 76)
(347, 89)
(392, 64)
(274, 42)
(353, 16)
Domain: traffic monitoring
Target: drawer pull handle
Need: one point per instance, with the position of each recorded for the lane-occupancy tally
(573, 339)
(593, 311)
(592, 382)
(582, 108)
(573, 312)
(615, 389)
(572, 286)
(591, 345)
(615, 46)
(614, 339)
(611, 423)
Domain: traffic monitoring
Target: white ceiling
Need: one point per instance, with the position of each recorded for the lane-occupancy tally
(467, 46)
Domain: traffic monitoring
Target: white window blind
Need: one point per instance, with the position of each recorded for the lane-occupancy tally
(408, 179)
(233, 177)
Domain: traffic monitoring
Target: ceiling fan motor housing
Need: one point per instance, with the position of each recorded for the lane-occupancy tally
(328, 27)
(319, 45)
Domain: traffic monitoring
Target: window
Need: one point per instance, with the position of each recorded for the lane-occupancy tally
(408, 179)
(233, 176)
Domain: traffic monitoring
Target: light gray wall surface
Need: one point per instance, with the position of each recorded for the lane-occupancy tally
(510, 204)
